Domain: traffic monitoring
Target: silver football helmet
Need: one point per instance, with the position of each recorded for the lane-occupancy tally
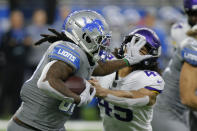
(90, 31)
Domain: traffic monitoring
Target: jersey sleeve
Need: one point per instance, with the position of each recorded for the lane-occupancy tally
(150, 80)
(153, 81)
(188, 51)
(106, 81)
(67, 54)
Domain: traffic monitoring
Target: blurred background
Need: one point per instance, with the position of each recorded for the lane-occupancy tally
(22, 22)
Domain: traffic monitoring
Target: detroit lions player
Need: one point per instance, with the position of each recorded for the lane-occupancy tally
(47, 102)
(171, 111)
(128, 95)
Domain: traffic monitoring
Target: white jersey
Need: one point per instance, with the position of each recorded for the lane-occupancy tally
(135, 118)
(178, 32)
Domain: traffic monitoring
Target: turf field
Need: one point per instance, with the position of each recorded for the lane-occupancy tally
(70, 125)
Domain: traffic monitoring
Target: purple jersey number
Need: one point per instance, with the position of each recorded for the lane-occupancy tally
(128, 114)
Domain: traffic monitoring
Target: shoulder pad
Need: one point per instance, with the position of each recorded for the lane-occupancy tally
(189, 51)
(178, 32)
(66, 52)
(149, 79)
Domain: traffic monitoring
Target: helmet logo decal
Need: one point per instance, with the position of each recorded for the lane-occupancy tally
(95, 24)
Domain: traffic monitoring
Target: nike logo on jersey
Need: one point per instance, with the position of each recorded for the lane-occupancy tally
(66, 54)
(158, 81)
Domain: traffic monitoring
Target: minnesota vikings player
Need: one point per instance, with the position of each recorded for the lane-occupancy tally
(172, 112)
(179, 29)
(126, 97)
(46, 101)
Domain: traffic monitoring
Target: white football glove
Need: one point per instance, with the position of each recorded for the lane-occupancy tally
(133, 55)
(85, 96)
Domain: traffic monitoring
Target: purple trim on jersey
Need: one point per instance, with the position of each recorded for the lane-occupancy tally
(188, 4)
(150, 37)
(153, 89)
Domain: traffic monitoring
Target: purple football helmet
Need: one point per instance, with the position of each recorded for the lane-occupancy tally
(153, 44)
(152, 40)
(190, 5)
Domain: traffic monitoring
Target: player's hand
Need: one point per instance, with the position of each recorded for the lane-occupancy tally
(87, 95)
(133, 48)
(100, 92)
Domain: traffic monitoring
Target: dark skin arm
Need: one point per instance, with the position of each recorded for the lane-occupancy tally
(108, 67)
(56, 76)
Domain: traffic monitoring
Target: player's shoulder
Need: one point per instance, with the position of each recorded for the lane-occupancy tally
(178, 31)
(188, 51)
(146, 75)
(67, 52)
(189, 42)
(180, 25)
(72, 47)
(147, 78)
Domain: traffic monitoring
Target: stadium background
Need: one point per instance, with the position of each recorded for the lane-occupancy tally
(122, 16)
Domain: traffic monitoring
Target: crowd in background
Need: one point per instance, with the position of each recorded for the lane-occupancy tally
(19, 57)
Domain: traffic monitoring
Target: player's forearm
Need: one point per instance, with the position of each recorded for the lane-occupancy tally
(108, 67)
(51, 81)
(60, 87)
(126, 94)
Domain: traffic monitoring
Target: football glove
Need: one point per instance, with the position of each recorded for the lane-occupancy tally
(132, 54)
(87, 95)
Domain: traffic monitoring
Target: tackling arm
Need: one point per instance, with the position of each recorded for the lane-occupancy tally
(108, 67)
(139, 97)
(52, 81)
(188, 85)
(132, 56)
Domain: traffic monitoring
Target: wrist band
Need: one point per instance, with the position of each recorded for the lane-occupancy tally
(126, 61)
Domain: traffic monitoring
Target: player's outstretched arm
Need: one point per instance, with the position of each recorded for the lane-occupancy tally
(188, 85)
(108, 67)
(52, 81)
(132, 57)
(139, 97)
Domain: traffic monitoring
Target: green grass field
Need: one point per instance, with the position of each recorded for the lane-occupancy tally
(70, 125)
(67, 130)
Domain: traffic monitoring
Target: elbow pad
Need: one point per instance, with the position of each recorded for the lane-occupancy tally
(127, 102)
(44, 85)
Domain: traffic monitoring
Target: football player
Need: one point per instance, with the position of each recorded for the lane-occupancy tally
(46, 101)
(171, 111)
(126, 98)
